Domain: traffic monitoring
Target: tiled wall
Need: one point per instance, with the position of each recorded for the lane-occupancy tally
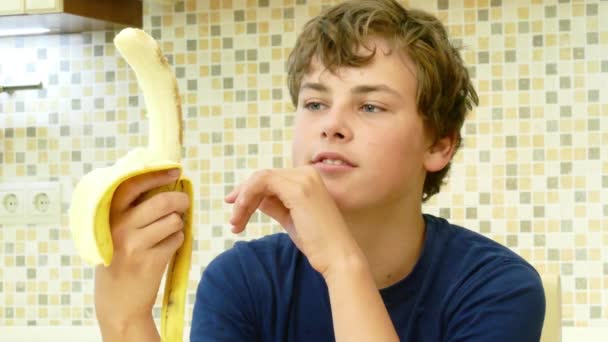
(532, 174)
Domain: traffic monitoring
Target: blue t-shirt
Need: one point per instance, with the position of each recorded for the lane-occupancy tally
(464, 287)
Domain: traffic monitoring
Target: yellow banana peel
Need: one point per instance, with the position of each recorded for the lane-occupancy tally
(89, 212)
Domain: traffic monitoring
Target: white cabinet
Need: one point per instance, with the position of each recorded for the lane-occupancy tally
(9, 7)
(68, 16)
(43, 6)
(12, 7)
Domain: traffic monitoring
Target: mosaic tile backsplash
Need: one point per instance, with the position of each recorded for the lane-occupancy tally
(533, 173)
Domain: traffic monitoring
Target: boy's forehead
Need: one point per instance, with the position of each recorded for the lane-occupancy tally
(314, 67)
(394, 63)
(381, 45)
(317, 71)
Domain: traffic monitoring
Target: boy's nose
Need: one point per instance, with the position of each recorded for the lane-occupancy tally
(332, 134)
(336, 126)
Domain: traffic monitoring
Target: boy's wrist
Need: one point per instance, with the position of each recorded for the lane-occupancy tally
(350, 263)
(134, 329)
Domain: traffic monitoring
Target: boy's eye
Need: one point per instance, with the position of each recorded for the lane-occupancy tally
(313, 106)
(370, 108)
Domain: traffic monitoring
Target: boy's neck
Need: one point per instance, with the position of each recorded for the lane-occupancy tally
(391, 238)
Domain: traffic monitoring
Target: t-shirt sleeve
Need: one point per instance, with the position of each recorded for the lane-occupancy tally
(503, 304)
(223, 310)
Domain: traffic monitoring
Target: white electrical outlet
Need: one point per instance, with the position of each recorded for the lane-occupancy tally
(43, 202)
(29, 203)
(12, 204)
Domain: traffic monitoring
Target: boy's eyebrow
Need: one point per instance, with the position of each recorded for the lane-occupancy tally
(361, 89)
(314, 86)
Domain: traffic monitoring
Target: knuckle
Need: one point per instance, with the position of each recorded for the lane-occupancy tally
(175, 220)
(120, 195)
(184, 199)
(125, 186)
(262, 174)
(243, 199)
(130, 248)
(131, 185)
(163, 202)
(178, 238)
(119, 231)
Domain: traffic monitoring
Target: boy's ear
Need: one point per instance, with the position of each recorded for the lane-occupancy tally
(440, 153)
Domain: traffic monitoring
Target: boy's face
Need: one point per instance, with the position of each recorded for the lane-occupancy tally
(369, 117)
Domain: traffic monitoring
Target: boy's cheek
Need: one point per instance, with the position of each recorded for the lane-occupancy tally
(298, 149)
(303, 134)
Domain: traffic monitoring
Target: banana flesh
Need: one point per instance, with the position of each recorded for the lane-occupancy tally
(90, 207)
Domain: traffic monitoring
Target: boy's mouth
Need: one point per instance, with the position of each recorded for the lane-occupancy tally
(333, 159)
(333, 162)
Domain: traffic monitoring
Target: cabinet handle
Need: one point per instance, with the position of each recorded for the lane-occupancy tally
(11, 88)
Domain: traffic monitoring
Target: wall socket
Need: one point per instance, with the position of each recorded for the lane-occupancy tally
(28, 203)
(12, 204)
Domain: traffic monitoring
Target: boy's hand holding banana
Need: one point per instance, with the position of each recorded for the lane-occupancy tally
(135, 217)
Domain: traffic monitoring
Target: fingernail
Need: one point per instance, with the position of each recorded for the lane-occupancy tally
(174, 173)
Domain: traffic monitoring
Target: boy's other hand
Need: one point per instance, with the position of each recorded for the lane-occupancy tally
(145, 234)
(298, 199)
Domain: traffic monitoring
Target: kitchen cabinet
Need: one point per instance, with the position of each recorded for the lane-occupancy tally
(15, 7)
(69, 16)
(43, 6)
(10, 7)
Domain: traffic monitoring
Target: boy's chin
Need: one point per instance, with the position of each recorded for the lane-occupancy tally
(348, 203)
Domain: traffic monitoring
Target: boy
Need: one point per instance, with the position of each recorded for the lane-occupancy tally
(381, 96)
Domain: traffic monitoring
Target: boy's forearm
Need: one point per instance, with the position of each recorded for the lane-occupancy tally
(358, 311)
(134, 331)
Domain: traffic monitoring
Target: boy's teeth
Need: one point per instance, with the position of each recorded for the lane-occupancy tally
(333, 162)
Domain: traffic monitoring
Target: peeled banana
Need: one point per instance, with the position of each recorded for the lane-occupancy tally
(90, 207)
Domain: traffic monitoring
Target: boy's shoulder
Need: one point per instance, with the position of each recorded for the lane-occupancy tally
(449, 238)
(466, 257)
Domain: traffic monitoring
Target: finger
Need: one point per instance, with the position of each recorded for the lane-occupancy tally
(149, 236)
(262, 184)
(245, 205)
(246, 199)
(274, 208)
(170, 245)
(134, 187)
(233, 194)
(154, 208)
